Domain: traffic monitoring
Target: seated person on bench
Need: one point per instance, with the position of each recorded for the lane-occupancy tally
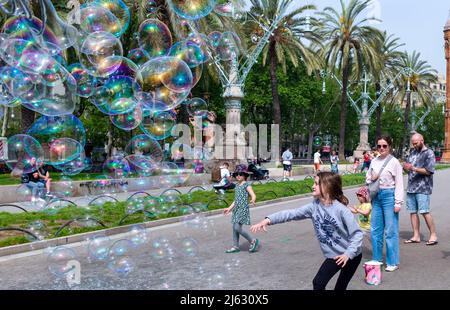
(44, 176)
(225, 179)
(33, 183)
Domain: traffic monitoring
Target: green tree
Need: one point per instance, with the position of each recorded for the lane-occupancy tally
(286, 43)
(349, 45)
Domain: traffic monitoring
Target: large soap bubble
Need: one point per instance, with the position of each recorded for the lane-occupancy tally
(120, 10)
(23, 153)
(64, 150)
(145, 145)
(192, 9)
(189, 52)
(94, 17)
(154, 37)
(158, 125)
(58, 261)
(85, 82)
(128, 121)
(47, 129)
(97, 51)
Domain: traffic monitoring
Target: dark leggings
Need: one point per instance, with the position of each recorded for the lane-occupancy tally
(237, 230)
(329, 268)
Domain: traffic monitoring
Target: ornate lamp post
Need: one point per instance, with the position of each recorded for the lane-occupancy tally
(446, 152)
(232, 76)
(362, 109)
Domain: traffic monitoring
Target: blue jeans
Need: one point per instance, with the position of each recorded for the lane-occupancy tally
(34, 186)
(384, 219)
(418, 203)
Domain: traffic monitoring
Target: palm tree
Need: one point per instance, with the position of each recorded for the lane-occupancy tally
(419, 80)
(385, 67)
(286, 42)
(349, 45)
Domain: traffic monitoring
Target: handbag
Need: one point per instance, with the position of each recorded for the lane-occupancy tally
(374, 186)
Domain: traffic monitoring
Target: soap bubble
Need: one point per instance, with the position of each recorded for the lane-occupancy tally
(158, 125)
(98, 247)
(64, 150)
(191, 9)
(23, 153)
(120, 10)
(189, 52)
(145, 145)
(97, 51)
(85, 82)
(139, 235)
(139, 56)
(94, 17)
(58, 261)
(128, 121)
(154, 37)
(121, 266)
(116, 167)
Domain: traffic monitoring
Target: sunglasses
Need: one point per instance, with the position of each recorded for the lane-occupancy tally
(384, 146)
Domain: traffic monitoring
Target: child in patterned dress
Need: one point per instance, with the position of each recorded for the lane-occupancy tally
(241, 211)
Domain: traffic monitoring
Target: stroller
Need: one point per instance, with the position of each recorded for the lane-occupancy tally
(258, 173)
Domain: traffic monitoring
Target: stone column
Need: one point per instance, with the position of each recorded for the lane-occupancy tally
(446, 151)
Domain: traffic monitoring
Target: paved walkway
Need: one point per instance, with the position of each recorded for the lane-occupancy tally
(288, 258)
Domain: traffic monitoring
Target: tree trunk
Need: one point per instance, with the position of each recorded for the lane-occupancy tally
(274, 83)
(5, 121)
(406, 124)
(310, 144)
(343, 116)
(27, 118)
(378, 112)
(109, 144)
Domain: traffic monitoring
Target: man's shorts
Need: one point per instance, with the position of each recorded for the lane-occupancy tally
(317, 166)
(287, 167)
(418, 203)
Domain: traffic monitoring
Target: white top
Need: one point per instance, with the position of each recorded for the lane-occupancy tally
(391, 177)
(224, 174)
(317, 157)
(287, 157)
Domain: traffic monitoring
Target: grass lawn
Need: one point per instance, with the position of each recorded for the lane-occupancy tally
(168, 205)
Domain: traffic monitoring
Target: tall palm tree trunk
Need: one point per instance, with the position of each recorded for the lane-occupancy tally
(406, 124)
(343, 116)
(274, 83)
(378, 112)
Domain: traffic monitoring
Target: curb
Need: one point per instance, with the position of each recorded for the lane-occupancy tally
(39, 245)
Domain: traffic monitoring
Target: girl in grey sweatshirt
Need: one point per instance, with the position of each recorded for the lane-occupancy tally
(336, 228)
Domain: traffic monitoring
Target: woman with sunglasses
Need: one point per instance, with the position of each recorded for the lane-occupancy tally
(387, 203)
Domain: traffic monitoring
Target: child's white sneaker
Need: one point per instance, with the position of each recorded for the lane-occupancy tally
(390, 268)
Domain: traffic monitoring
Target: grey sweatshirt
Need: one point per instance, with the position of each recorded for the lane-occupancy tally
(335, 226)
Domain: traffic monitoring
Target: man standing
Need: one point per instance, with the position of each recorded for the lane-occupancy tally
(317, 161)
(420, 167)
(287, 164)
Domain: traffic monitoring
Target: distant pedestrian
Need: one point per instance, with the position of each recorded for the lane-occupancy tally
(366, 161)
(287, 163)
(355, 165)
(420, 166)
(317, 161)
(241, 211)
(334, 159)
(335, 226)
(386, 204)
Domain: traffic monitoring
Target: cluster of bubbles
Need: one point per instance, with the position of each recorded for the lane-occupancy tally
(139, 90)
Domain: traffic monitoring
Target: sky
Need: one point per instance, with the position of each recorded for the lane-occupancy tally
(418, 23)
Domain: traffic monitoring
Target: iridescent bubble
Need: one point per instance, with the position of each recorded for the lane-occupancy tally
(39, 229)
(59, 261)
(119, 248)
(162, 249)
(214, 38)
(129, 69)
(116, 96)
(154, 37)
(98, 247)
(152, 207)
(192, 9)
(143, 166)
(85, 82)
(14, 83)
(229, 46)
(27, 29)
(189, 52)
(197, 107)
(120, 10)
(196, 74)
(166, 71)
(139, 235)
(128, 121)
(180, 151)
(189, 247)
(94, 17)
(151, 6)
(46, 129)
(116, 167)
(23, 193)
(229, 9)
(67, 186)
(73, 167)
(63, 150)
(23, 153)
(158, 125)
(121, 266)
(97, 51)
(145, 145)
(194, 220)
(139, 56)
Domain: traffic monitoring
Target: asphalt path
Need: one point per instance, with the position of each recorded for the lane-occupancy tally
(288, 258)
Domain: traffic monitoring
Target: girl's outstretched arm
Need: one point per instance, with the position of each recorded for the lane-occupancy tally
(228, 210)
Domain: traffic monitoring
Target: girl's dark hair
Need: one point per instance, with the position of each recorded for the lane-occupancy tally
(386, 138)
(331, 183)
